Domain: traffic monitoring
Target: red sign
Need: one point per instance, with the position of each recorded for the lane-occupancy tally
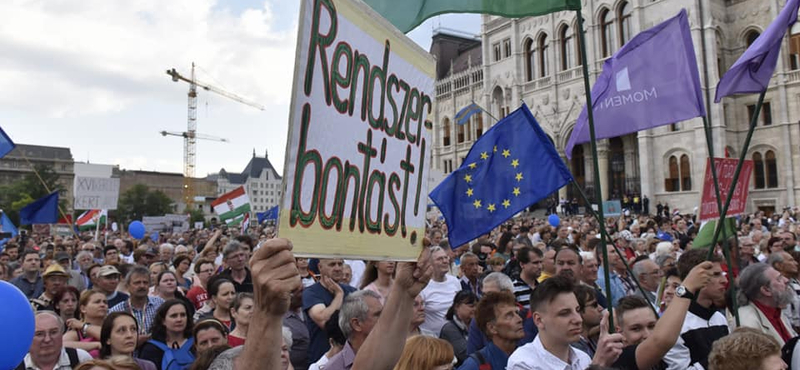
(726, 167)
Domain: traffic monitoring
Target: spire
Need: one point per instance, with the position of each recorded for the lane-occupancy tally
(266, 153)
(254, 152)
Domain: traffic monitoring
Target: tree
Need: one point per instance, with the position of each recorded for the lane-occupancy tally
(196, 215)
(29, 188)
(139, 201)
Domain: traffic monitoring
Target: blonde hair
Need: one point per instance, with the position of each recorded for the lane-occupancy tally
(744, 349)
(425, 353)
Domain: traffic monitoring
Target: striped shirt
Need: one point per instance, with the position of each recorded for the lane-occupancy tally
(522, 292)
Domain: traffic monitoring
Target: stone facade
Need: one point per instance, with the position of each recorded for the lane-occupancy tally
(536, 60)
(171, 184)
(20, 162)
(260, 179)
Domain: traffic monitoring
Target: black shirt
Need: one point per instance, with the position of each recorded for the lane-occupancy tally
(246, 286)
(627, 360)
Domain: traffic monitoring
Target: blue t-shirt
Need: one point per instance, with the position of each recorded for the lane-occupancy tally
(313, 296)
(491, 354)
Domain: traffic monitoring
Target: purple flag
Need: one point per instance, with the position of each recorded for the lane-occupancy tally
(651, 81)
(751, 73)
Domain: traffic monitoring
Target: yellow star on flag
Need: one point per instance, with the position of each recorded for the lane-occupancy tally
(477, 203)
(506, 203)
(506, 153)
(484, 155)
(469, 192)
(490, 207)
(516, 191)
(515, 163)
(495, 149)
(468, 178)
(472, 165)
(519, 177)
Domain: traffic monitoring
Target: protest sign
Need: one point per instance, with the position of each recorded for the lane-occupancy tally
(612, 208)
(725, 170)
(358, 149)
(95, 192)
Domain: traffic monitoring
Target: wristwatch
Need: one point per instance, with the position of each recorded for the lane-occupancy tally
(682, 292)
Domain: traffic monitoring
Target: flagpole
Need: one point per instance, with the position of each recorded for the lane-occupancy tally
(607, 239)
(593, 142)
(97, 228)
(485, 111)
(46, 188)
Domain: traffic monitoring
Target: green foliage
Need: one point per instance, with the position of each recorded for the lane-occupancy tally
(196, 215)
(139, 201)
(22, 192)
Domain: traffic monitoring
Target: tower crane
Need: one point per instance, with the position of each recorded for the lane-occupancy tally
(190, 136)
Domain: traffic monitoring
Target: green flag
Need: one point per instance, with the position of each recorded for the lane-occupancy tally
(413, 12)
(706, 233)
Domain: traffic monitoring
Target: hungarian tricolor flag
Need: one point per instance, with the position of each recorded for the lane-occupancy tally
(88, 220)
(232, 207)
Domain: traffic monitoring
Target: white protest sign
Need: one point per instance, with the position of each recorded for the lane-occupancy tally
(358, 152)
(95, 192)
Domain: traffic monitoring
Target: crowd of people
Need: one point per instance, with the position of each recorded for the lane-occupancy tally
(527, 295)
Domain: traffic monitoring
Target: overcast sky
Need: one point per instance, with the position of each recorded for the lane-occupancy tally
(90, 75)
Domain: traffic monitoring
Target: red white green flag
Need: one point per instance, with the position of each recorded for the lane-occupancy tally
(88, 220)
(231, 207)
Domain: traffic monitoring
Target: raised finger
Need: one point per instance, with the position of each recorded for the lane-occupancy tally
(270, 248)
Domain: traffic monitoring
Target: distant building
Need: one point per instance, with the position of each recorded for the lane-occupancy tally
(169, 183)
(20, 161)
(260, 179)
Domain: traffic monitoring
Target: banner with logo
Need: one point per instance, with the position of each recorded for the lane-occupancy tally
(359, 140)
(726, 167)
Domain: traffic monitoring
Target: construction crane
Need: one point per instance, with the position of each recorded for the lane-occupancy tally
(186, 135)
(190, 136)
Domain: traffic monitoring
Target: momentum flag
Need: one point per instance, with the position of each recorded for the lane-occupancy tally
(511, 166)
(42, 211)
(465, 113)
(651, 81)
(751, 73)
(6, 145)
(231, 207)
(88, 220)
(408, 14)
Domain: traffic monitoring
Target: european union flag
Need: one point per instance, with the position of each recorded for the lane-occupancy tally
(6, 145)
(465, 113)
(6, 226)
(513, 165)
(42, 211)
(270, 214)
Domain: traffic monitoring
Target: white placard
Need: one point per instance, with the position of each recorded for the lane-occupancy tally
(96, 193)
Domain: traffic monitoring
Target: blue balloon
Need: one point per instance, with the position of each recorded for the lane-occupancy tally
(17, 319)
(136, 229)
(554, 220)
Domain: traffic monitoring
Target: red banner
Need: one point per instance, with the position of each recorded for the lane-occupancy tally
(726, 167)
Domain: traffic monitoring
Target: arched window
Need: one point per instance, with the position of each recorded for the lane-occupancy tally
(530, 60)
(751, 37)
(567, 48)
(771, 168)
(686, 173)
(478, 125)
(544, 69)
(446, 136)
(624, 16)
(672, 182)
(460, 137)
(758, 171)
(607, 31)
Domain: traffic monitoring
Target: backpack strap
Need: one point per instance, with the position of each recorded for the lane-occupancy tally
(161, 346)
(72, 353)
(481, 360)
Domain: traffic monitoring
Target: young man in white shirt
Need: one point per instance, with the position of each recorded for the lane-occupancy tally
(556, 314)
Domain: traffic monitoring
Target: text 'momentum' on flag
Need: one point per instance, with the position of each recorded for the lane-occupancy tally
(651, 81)
(752, 71)
(510, 167)
(41, 211)
(232, 206)
(408, 14)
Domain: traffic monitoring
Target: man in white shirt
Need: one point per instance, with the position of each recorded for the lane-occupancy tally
(556, 315)
(438, 295)
(47, 350)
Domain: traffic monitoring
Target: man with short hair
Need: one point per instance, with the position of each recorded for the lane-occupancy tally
(110, 255)
(125, 248)
(293, 319)
(621, 283)
(13, 251)
(75, 278)
(142, 306)
(789, 240)
(569, 264)
(197, 294)
(438, 295)
(320, 301)
(360, 311)
(704, 323)
(107, 281)
(555, 313)
(787, 266)
(54, 278)
(235, 255)
(497, 316)
(764, 293)
(469, 272)
(548, 265)
(47, 350)
(530, 263)
(30, 282)
(647, 272)
(747, 251)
